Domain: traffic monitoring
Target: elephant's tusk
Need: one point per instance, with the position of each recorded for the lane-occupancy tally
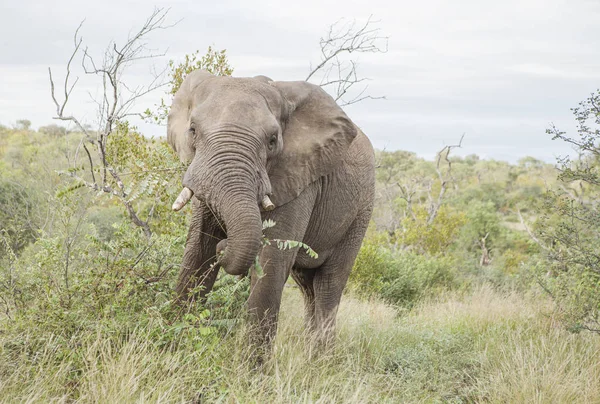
(183, 198)
(267, 204)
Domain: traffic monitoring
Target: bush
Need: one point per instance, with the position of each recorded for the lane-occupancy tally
(431, 238)
(373, 262)
(414, 276)
(570, 225)
(401, 278)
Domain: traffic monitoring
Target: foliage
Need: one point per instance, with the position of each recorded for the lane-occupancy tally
(16, 206)
(570, 225)
(23, 124)
(372, 264)
(475, 237)
(281, 245)
(53, 130)
(401, 278)
(213, 61)
(434, 238)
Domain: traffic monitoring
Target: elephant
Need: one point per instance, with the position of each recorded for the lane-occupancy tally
(260, 149)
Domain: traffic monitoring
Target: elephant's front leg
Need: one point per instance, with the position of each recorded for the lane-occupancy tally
(266, 292)
(200, 252)
(291, 221)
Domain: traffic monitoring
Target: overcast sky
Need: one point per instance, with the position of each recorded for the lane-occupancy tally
(498, 71)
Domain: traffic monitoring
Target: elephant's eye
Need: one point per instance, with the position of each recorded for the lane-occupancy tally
(272, 142)
(192, 130)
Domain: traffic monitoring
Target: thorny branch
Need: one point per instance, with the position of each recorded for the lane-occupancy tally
(340, 74)
(116, 102)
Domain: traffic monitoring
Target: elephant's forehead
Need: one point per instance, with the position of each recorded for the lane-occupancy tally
(241, 94)
(241, 87)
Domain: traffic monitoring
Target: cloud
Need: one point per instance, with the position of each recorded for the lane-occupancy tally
(577, 71)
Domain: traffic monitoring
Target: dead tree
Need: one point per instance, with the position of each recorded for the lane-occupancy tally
(434, 204)
(338, 74)
(423, 186)
(115, 104)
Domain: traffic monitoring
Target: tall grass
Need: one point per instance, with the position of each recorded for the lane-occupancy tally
(481, 346)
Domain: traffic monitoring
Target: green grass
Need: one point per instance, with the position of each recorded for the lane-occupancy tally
(484, 346)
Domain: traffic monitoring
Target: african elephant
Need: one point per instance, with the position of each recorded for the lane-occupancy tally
(261, 149)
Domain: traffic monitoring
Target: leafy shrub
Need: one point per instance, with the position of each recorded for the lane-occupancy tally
(570, 225)
(571, 274)
(413, 276)
(400, 277)
(373, 262)
(431, 238)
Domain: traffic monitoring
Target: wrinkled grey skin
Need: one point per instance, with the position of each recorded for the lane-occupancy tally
(251, 137)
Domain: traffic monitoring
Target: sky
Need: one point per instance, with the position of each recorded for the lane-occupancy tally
(499, 72)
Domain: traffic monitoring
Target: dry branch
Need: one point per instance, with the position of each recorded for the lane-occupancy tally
(339, 74)
(114, 105)
(434, 206)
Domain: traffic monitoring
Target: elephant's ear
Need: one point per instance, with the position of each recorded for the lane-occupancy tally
(177, 124)
(316, 138)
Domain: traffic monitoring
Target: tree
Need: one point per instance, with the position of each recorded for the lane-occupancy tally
(23, 124)
(569, 230)
(482, 229)
(113, 108)
(53, 130)
(214, 61)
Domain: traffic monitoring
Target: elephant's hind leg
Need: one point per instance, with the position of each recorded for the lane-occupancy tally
(330, 279)
(305, 278)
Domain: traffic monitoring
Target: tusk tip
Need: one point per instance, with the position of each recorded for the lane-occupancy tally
(183, 198)
(267, 204)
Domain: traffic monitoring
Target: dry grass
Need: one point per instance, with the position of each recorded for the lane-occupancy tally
(483, 346)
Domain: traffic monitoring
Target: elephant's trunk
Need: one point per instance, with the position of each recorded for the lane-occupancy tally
(244, 232)
(227, 182)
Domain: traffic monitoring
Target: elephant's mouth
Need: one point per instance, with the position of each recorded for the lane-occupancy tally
(186, 194)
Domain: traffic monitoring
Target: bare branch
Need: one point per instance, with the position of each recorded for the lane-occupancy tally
(114, 104)
(339, 74)
(444, 153)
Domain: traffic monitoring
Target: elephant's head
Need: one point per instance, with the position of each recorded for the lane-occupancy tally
(252, 144)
